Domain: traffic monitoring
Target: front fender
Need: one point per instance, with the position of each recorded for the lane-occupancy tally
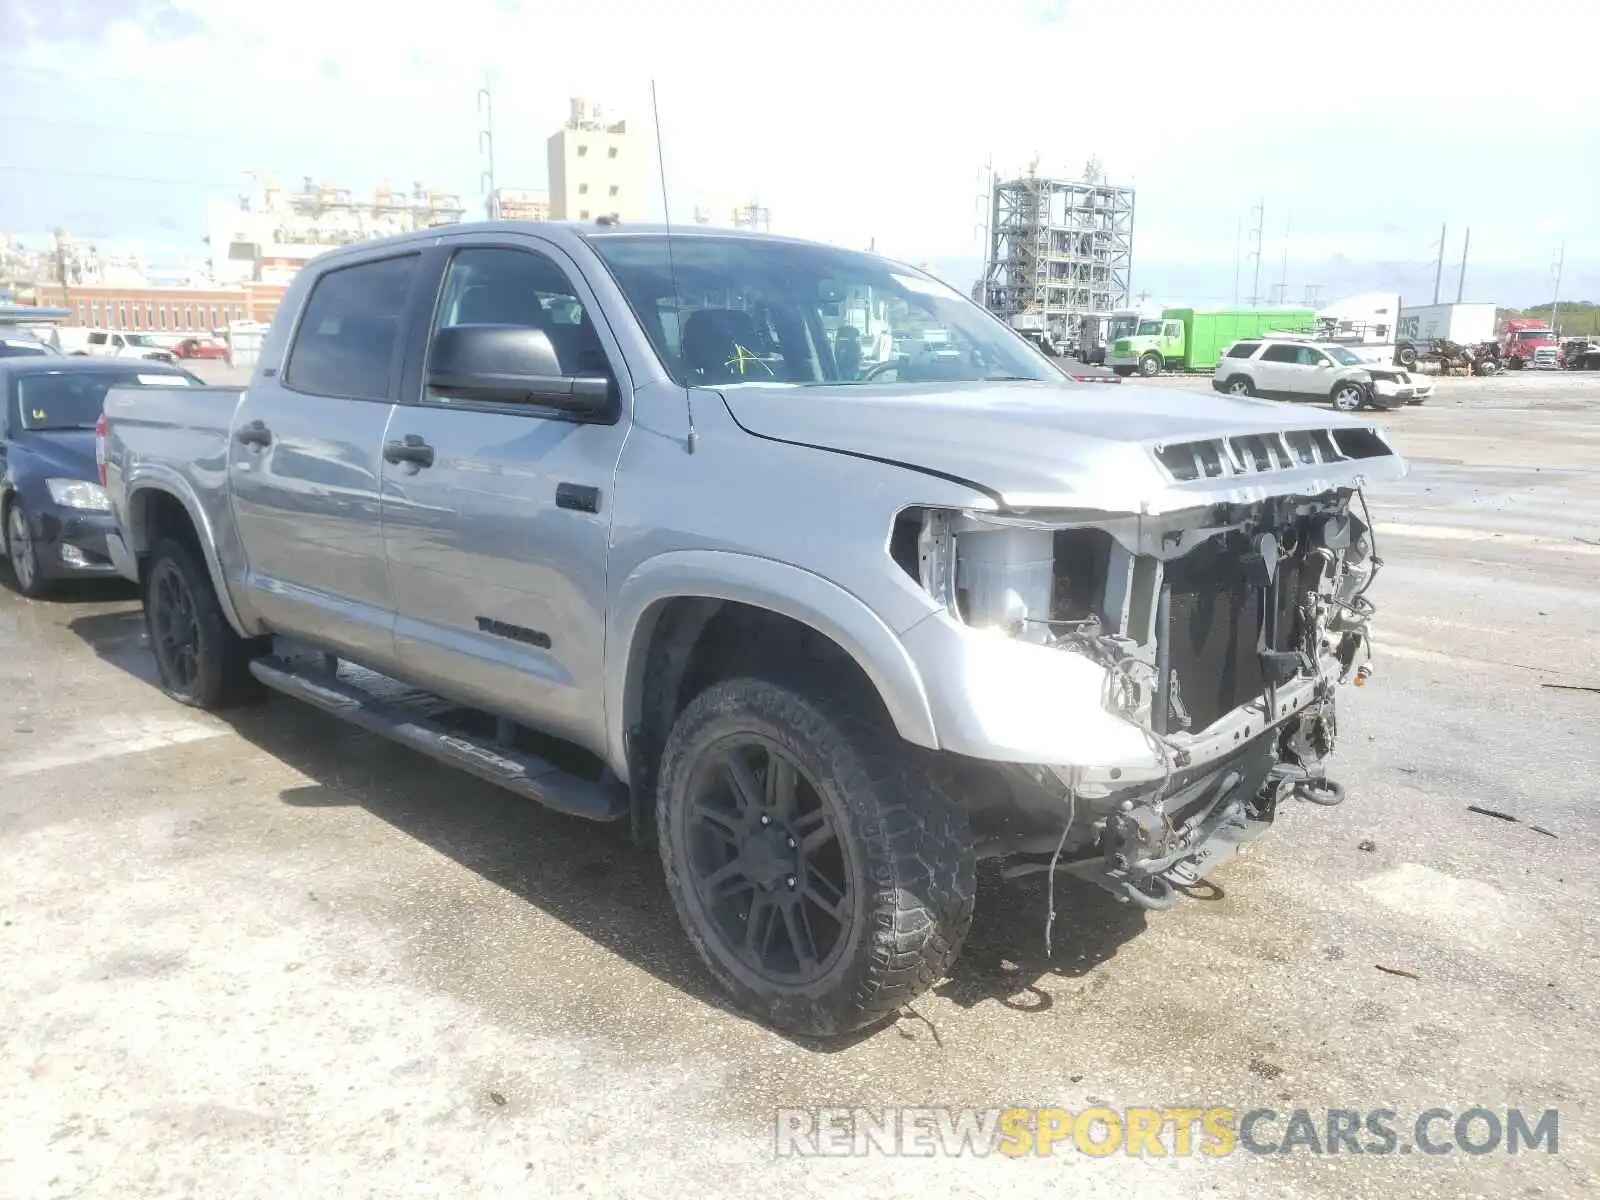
(133, 528)
(762, 583)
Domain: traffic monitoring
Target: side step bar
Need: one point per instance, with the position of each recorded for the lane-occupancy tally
(525, 774)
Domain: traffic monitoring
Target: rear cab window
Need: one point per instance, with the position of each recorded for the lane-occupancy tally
(348, 340)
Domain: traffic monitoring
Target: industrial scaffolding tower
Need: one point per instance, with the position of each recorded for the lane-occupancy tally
(1059, 249)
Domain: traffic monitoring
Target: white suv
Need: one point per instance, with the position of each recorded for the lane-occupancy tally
(1297, 369)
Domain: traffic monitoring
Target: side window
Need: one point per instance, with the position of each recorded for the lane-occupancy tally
(1281, 353)
(1311, 358)
(491, 285)
(345, 345)
(1174, 329)
(97, 339)
(117, 341)
(1244, 350)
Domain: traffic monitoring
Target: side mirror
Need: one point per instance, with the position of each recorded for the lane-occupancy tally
(510, 364)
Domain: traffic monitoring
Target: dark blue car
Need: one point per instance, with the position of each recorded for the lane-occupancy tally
(53, 512)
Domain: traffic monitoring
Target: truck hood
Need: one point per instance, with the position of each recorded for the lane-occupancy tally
(1042, 445)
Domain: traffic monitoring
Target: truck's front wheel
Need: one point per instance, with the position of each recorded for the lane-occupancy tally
(1150, 365)
(820, 871)
(201, 661)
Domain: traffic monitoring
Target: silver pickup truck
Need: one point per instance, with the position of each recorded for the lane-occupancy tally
(792, 556)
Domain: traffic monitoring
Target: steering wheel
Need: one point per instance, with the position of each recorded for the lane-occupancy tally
(877, 369)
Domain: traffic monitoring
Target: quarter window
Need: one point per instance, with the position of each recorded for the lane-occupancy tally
(345, 345)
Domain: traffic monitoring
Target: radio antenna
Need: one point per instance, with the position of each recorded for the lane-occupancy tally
(672, 266)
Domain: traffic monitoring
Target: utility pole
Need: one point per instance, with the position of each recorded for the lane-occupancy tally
(1555, 301)
(61, 269)
(1461, 281)
(1438, 274)
(1283, 274)
(1260, 214)
(1238, 251)
(491, 203)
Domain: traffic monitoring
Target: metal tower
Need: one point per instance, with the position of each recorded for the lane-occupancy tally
(1058, 248)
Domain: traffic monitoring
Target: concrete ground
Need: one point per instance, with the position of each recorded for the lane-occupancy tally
(268, 956)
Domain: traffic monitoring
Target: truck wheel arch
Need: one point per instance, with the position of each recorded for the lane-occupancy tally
(166, 507)
(662, 610)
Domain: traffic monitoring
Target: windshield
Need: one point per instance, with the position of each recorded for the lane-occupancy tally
(1535, 335)
(725, 311)
(1149, 328)
(74, 399)
(1341, 356)
(139, 339)
(1122, 327)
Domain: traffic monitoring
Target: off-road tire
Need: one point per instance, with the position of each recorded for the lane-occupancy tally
(909, 848)
(223, 678)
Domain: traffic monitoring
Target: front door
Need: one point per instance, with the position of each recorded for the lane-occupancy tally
(304, 464)
(497, 539)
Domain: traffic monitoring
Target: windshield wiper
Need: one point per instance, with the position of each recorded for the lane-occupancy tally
(1009, 379)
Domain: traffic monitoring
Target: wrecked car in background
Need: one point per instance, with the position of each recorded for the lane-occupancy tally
(628, 523)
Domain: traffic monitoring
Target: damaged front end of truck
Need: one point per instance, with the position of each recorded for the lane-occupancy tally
(1206, 628)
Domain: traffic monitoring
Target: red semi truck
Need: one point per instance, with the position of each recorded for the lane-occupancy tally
(1528, 340)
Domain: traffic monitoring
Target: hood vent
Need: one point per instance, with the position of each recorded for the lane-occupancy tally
(1262, 453)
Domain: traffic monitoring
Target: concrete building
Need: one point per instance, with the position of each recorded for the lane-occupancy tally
(268, 236)
(596, 168)
(519, 204)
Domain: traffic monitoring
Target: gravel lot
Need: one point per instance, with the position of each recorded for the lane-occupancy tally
(269, 956)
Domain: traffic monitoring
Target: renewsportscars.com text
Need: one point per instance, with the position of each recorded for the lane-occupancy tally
(1159, 1132)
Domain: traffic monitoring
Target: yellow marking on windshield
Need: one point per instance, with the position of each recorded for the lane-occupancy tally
(742, 357)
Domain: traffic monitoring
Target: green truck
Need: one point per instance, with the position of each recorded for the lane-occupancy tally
(1192, 339)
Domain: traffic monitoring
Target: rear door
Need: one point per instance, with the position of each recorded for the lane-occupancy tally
(304, 462)
(497, 545)
(1278, 370)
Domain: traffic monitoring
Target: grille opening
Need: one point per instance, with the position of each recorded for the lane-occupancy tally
(1079, 586)
(1360, 443)
(1181, 461)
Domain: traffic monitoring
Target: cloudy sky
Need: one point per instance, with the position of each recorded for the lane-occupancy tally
(1361, 126)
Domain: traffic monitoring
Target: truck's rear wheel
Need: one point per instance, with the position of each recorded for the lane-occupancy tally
(201, 661)
(1150, 365)
(819, 870)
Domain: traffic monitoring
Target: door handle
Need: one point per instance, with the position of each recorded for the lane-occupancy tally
(254, 434)
(411, 450)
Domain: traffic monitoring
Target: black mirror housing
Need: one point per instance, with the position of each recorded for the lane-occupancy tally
(510, 364)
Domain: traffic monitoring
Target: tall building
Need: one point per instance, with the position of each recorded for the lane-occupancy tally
(596, 168)
(267, 237)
